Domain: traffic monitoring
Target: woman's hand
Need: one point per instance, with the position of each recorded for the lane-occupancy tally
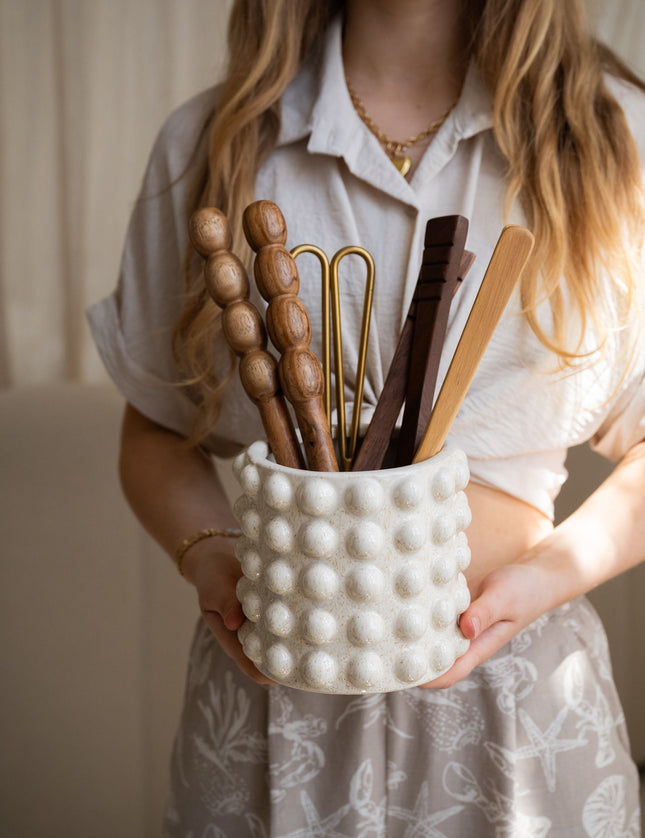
(506, 601)
(174, 490)
(214, 571)
(602, 538)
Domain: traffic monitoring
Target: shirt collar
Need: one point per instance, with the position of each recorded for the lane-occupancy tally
(316, 105)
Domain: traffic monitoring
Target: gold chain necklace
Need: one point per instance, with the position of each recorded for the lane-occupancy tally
(394, 148)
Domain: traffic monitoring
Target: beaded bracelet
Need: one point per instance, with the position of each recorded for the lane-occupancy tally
(187, 543)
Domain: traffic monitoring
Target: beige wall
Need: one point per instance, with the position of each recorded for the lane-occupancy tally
(95, 626)
(620, 602)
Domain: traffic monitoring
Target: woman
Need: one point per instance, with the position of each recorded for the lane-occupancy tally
(511, 114)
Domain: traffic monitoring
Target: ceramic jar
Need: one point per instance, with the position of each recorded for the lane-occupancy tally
(353, 581)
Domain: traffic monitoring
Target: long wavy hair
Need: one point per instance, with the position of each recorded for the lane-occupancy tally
(571, 160)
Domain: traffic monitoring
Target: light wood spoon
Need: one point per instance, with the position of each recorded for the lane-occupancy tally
(504, 269)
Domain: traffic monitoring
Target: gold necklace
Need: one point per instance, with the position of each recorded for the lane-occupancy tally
(394, 148)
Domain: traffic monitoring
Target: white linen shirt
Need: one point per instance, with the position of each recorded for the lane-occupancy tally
(336, 186)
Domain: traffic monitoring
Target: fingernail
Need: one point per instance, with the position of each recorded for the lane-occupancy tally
(232, 619)
(476, 625)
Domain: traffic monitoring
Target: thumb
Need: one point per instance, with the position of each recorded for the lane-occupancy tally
(489, 608)
(233, 617)
(229, 606)
(216, 582)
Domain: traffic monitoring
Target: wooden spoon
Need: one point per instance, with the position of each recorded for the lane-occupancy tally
(505, 267)
(227, 283)
(288, 324)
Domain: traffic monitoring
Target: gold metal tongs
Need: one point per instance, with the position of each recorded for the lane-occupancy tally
(331, 294)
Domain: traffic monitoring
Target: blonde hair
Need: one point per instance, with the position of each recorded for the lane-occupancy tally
(571, 160)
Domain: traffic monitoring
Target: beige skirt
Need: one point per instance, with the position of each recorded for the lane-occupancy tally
(532, 743)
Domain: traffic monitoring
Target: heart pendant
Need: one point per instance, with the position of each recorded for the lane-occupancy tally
(402, 163)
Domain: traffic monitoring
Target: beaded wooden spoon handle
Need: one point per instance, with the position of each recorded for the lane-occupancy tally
(289, 327)
(228, 285)
(504, 269)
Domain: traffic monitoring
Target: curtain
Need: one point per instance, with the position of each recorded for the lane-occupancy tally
(85, 86)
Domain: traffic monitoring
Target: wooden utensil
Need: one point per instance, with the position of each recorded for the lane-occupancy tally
(325, 280)
(300, 372)
(227, 283)
(381, 427)
(445, 240)
(507, 262)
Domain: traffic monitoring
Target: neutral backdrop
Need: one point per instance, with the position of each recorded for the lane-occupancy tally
(85, 86)
(94, 621)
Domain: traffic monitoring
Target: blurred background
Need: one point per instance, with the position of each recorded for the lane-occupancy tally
(95, 624)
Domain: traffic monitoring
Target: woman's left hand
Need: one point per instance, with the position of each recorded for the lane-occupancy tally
(507, 600)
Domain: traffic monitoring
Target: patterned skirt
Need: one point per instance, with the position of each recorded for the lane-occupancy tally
(532, 743)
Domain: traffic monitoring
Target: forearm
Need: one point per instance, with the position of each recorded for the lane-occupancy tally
(174, 490)
(604, 537)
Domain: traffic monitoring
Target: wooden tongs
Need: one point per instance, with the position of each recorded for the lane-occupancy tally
(504, 270)
(412, 375)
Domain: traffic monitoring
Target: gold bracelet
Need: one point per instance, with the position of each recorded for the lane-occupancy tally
(187, 543)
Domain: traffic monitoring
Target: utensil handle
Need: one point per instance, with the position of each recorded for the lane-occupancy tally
(444, 246)
(379, 431)
(259, 376)
(505, 267)
(300, 372)
(227, 284)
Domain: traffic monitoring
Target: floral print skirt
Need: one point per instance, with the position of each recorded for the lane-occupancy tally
(532, 743)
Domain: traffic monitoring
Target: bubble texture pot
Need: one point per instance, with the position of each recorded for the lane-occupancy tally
(353, 581)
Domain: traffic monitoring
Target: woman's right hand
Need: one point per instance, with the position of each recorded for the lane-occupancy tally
(214, 570)
(174, 489)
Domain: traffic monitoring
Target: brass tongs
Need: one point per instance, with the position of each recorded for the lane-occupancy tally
(331, 295)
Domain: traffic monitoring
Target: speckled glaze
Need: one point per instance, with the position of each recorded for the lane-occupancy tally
(353, 581)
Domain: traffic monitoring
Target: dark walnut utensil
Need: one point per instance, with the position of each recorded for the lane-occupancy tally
(504, 270)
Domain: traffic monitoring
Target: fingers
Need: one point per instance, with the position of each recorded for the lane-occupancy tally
(232, 647)
(496, 601)
(216, 577)
(509, 599)
(234, 617)
(515, 593)
(489, 642)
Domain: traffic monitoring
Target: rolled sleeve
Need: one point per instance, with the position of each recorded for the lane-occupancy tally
(132, 328)
(624, 425)
(157, 398)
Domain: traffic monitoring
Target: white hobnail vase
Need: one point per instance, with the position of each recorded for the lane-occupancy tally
(353, 581)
